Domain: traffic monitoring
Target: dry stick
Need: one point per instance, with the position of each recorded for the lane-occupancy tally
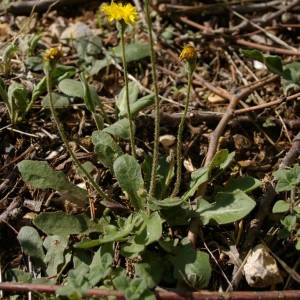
(279, 12)
(167, 295)
(25, 7)
(266, 48)
(214, 9)
(265, 105)
(210, 32)
(234, 100)
(210, 118)
(268, 34)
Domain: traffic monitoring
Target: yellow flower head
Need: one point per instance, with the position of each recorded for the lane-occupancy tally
(52, 54)
(188, 53)
(118, 11)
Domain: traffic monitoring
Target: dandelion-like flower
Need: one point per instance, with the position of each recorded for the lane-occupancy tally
(188, 53)
(52, 54)
(120, 12)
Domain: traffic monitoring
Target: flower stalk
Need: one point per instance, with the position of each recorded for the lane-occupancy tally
(50, 59)
(189, 55)
(132, 143)
(125, 14)
(157, 102)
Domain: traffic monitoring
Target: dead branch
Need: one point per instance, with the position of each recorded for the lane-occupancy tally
(25, 7)
(167, 295)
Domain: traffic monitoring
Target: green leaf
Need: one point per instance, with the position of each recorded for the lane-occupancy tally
(133, 92)
(177, 215)
(131, 249)
(139, 105)
(287, 178)
(167, 202)
(288, 222)
(191, 266)
(134, 289)
(87, 45)
(87, 244)
(101, 264)
(97, 66)
(129, 175)
(71, 87)
(220, 161)
(77, 284)
(106, 148)
(150, 269)
(280, 206)
(17, 100)
(34, 63)
(291, 77)
(87, 97)
(269, 123)
(17, 275)
(31, 242)
(88, 166)
(151, 229)
(59, 223)
(112, 233)
(54, 258)
(40, 175)
(164, 175)
(199, 177)
(246, 184)
(229, 207)
(133, 52)
(59, 73)
(198, 273)
(120, 129)
(57, 99)
(272, 62)
(3, 93)
(297, 246)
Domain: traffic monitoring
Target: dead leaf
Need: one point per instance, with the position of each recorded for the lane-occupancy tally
(213, 98)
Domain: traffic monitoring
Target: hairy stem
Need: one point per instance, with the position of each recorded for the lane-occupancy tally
(179, 136)
(157, 103)
(127, 90)
(63, 137)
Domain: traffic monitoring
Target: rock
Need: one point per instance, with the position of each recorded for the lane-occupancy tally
(76, 31)
(261, 269)
(167, 140)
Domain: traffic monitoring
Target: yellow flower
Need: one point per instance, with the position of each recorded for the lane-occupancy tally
(188, 53)
(118, 11)
(52, 54)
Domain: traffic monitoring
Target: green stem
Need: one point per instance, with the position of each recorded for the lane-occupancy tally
(126, 89)
(63, 137)
(157, 103)
(179, 135)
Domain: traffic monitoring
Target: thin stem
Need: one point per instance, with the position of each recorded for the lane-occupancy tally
(179, 136)
(63, 137)
(157, 103)
(293, 199)
(127, 90)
